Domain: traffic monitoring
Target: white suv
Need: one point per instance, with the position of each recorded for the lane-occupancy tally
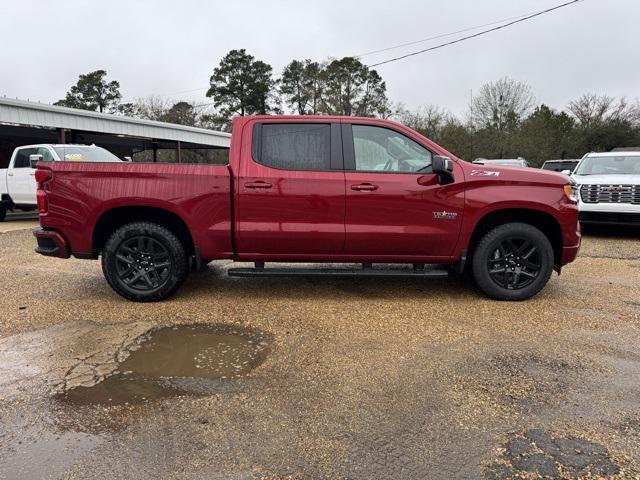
(609, 188)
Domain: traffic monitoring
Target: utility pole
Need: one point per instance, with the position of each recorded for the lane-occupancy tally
(471, 124)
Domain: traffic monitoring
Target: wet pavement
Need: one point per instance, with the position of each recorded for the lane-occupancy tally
(290, 378)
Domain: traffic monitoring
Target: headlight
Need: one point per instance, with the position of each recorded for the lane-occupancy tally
(572, 192)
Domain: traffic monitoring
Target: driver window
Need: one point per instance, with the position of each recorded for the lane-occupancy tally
(22, 157)
(380, 149)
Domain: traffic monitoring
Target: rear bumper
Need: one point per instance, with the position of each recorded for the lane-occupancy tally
(51, 243)
(609, 218)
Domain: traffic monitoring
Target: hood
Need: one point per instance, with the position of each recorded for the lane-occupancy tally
(474, 171)
(628, 179)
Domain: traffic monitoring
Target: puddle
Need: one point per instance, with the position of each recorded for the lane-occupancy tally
(169, 361)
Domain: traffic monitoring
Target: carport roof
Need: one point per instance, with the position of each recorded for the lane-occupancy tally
(23, 112)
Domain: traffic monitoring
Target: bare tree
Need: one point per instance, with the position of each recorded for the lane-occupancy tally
(592, 110)
(501, 104)
(153, 107)
(428, 120)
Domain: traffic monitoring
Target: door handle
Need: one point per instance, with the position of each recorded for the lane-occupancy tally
(258, 184)
(364, 187)
(9, 174)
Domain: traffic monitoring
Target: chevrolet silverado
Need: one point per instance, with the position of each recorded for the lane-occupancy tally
(312, 189)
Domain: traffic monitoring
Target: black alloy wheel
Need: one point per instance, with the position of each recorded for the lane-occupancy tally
(513, 261)
(144, 262)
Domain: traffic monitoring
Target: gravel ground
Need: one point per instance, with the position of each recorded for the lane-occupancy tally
(369, 378)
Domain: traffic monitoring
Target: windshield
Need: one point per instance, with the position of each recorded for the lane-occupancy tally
(75, 153)
(610, 165)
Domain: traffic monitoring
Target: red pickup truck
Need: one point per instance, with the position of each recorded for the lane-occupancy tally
(312, 189)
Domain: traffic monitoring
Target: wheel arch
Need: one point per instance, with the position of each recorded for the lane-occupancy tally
(543, 221)
(114, 218)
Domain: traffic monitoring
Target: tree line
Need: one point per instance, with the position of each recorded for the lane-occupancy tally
(503, 120)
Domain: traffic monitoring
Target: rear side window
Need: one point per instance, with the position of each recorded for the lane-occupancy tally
(293, 146)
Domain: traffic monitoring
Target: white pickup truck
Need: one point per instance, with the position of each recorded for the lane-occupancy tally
(17, 182)
(609, 186)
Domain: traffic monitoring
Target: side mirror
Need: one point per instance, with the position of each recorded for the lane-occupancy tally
(443, 167)
(33, 159)
(566, 172)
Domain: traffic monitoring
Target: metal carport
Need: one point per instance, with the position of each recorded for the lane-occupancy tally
(23, 122)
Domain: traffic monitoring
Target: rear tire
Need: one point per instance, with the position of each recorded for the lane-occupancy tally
(3, 213)
(513, 261)
(144, 262)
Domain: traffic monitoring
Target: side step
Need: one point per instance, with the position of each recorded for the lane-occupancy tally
(418, 271)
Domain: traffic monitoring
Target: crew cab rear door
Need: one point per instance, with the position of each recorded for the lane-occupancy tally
(396, 206)
(290, 190)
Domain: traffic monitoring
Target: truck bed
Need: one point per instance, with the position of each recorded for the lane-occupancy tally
(82, 193)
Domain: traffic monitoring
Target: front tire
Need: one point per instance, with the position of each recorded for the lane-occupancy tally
(3, 213)
(513, 261)
(144, 262)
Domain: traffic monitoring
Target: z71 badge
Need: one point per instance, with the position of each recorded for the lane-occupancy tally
(445, 215)
(484, 173)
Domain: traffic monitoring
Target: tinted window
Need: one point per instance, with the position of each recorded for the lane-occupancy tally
(22, 157)
(559, 166)
(296, 146)
(384, 150)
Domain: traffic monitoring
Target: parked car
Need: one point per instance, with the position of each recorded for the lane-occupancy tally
(17, 182)
(565, 166)
(609, 186)
(508, 162)
(312, 189)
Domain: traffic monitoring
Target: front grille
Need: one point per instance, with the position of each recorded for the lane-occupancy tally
(610, 194)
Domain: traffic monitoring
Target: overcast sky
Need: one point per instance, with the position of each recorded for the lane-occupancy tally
(169, 47)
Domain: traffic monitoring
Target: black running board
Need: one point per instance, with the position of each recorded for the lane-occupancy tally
(339, 272)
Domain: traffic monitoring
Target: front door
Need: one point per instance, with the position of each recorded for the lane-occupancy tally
(291, 200)
(395, 205)
(21, 178)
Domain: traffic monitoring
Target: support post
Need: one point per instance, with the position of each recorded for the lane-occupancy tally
(62, 138)
(178, 152)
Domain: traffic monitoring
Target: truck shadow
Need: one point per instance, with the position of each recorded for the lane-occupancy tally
(214, 279)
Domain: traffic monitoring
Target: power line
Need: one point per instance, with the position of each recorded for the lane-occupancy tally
(468, 37)
(435, 37)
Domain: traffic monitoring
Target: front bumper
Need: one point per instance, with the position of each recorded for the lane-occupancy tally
(569, 254)
(51, 243)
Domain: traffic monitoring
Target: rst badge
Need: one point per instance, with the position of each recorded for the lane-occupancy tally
(484, 173)
(445, 215)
